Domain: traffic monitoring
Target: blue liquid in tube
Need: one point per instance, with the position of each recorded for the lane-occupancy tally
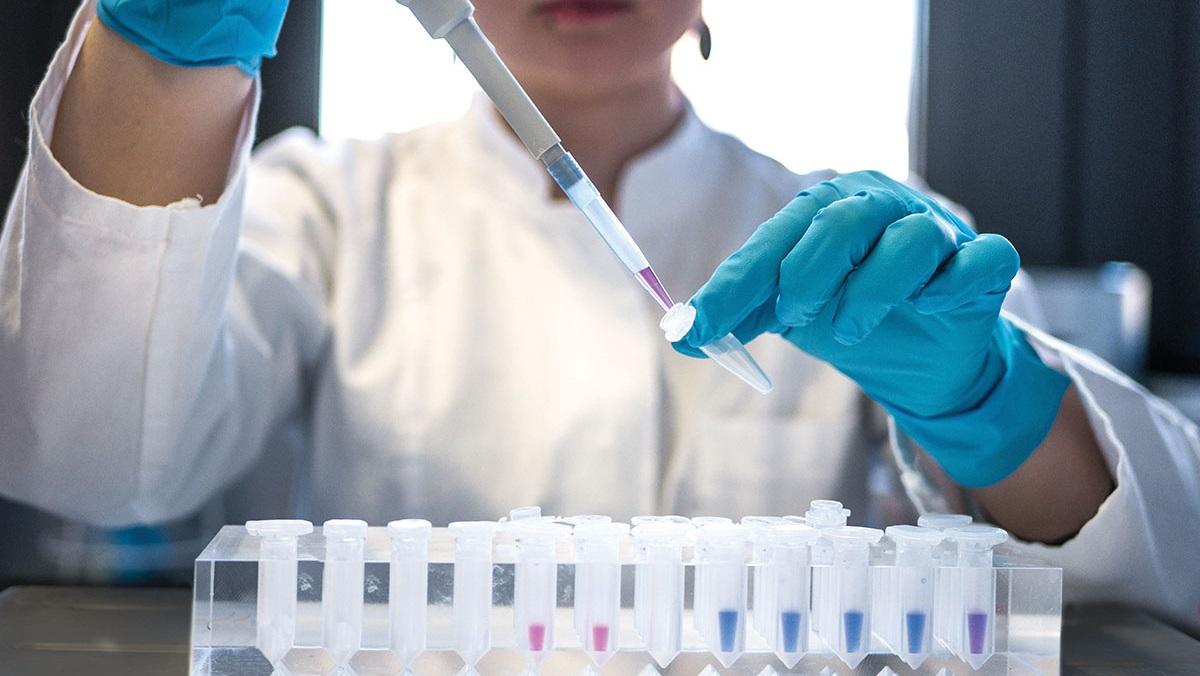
(914, 623)
(727, 621)
(852, 625)
(789, 625)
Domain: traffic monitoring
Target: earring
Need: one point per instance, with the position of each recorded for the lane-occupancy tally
(705, 40)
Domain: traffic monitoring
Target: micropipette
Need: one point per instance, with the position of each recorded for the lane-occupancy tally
(276, 630)
(408, 586)
(451, 20)
(342, 588)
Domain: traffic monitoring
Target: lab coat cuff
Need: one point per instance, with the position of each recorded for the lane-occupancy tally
(75, 205)
(983, 445)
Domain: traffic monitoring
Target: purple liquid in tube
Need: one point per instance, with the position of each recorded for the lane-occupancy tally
(977, 624)
(650, 280)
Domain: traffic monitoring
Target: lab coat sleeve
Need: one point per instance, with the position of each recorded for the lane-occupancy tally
(145, 352)
(1141, 548)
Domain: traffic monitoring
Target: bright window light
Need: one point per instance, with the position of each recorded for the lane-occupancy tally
(815, 84)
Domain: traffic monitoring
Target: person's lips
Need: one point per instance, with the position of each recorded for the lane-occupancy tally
(583, 11)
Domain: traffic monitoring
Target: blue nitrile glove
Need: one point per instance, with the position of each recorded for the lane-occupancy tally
(199, 32)
(903, 297)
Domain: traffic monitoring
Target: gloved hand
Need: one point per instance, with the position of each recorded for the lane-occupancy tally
(199, 32)
(899, 294)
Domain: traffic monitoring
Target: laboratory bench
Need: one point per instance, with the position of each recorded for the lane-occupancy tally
(131, 632)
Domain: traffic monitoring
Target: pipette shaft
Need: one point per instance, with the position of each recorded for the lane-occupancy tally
(451, 20)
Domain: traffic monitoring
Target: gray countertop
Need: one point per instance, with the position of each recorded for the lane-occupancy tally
(131, 632)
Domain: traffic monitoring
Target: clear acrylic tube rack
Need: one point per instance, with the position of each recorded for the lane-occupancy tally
(240, 577)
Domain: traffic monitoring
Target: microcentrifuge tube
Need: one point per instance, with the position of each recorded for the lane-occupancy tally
(535, 588)
(977, 587)
(598, 587)
(727, 350)
(659, 547)
(823, 515)
(945, 576)
(913, 600)
(472, 589)
(787, 560)
(721, 560)
(408, 583)
(762, 613)
(703, 617)
(850, 636)
(276, 603)
(641, 584)
(342, 588)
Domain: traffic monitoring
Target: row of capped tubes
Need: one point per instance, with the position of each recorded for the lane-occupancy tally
(834, 559)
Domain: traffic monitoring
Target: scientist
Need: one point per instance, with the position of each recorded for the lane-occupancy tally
(421, 326)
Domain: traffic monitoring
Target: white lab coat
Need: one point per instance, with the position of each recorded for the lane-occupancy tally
(412, 327)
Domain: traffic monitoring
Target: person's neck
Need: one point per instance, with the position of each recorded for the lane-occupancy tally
(604, 132)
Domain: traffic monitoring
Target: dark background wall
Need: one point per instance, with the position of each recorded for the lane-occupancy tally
(1070, 126)
(30, 31)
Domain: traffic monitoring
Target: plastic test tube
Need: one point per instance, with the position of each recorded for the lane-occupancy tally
(977, 585)
(764, 614)
(342, 588)
(787, 559)
(702, 616)
(945, 625)
(408, 587)
(721, 557)
(660, 564)
(824, 515)
(598, 587)
(915, 564)
(535, 589)
(276, 603)
(472, 589)
(850, 636)
(641, 584)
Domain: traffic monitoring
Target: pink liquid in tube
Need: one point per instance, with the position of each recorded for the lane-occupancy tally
(600, 637)
(537, 637)
(655, 287)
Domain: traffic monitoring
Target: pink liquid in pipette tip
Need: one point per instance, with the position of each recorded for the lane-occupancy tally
(650, 280)
(600, 637)
(537, 637)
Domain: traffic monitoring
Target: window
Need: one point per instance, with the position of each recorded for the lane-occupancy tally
(815, 84)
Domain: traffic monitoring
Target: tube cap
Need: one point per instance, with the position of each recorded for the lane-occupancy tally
(347, 529)
(279, 528)
(826, 514)
(409, 529)
(915, 536)
(977, 537)
(943, 521)
(853, 535)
